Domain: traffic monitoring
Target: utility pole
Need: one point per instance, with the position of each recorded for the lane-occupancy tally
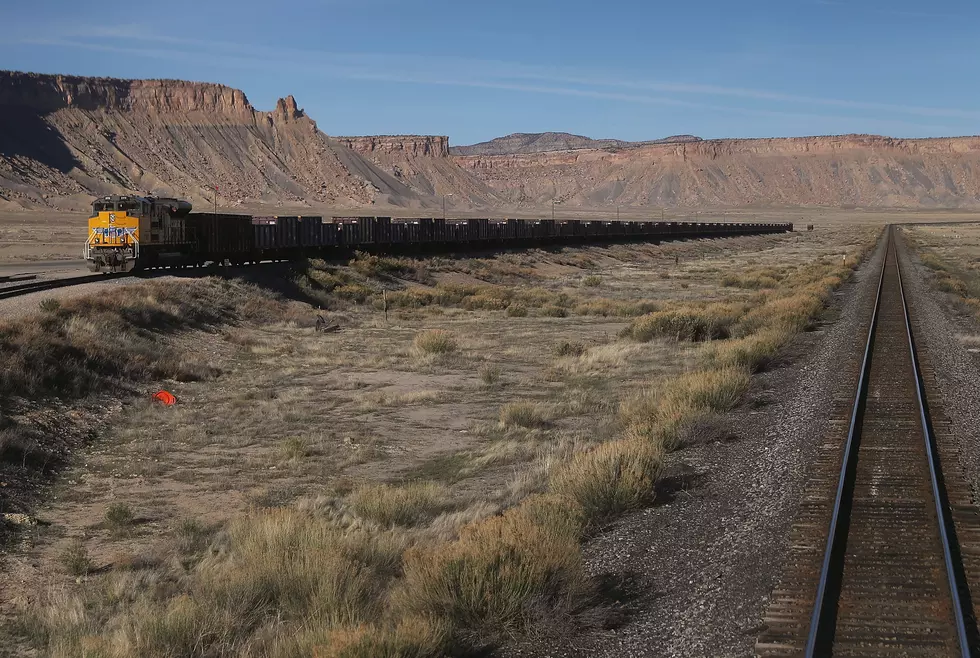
(444, 205)
(552, 210)
(215, 199)
(617, 213)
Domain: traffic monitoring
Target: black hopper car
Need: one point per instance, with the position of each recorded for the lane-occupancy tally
(167, 234)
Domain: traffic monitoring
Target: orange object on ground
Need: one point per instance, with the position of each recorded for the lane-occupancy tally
(165, 397)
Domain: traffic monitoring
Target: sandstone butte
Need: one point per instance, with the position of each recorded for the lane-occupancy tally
(66, 139)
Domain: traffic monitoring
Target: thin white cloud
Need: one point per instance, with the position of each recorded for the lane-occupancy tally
(490, 74)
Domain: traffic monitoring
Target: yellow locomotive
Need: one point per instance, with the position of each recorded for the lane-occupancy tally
(130, 232)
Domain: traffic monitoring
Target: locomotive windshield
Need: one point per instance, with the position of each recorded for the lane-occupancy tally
(116, 205)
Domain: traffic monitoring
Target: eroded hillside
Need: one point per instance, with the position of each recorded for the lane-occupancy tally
(67, 138)
(852, 170)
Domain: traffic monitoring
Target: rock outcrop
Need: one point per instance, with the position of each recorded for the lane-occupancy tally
(549, 142)
(398, 145)
(67, 138)
(839, 171)
(423, 164)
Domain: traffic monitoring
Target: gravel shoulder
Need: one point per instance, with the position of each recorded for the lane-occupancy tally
(952, 341)
(696, 570)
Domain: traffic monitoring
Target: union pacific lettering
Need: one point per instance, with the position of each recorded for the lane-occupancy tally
(114, 232)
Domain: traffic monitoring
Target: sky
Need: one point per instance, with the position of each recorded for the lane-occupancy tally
(625, 69)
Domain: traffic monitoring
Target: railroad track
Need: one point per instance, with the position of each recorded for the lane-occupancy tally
(17, 290)
(886, 545)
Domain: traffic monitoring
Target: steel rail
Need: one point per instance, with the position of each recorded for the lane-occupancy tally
(40, 286)
(938, 491)
(816, 616)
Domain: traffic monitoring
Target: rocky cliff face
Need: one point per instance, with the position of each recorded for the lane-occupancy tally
(859, 170)
(423, 164)
(549, 142)
(397, 145)
(67, 138)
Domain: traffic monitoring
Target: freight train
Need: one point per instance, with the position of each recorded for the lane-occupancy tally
(129, 233)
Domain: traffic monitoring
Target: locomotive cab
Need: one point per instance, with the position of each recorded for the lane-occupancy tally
(130, 232)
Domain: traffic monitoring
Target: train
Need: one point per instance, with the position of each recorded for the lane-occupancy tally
(128, 232)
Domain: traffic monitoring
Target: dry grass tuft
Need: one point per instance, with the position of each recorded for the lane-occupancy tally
(554, 311)
(659, 416)
(75, 558)
(690, 323)
(119, 517)
(567, 348)
(592, 281)
(529, 415)
(490, 375)
(610, 479)
(435, 341)
(295, 448)
(408, 505)
(754, 353)
(933, 262)
(486, 582)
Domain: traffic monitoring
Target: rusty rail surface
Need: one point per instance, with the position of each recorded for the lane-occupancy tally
(885, 547)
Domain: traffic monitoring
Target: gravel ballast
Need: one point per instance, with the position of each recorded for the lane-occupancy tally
(697, 569)
(950, 340)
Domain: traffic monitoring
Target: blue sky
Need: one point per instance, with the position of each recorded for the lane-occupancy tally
(477, 70)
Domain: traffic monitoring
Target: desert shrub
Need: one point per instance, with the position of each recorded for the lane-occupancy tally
(567, 348)
(434, 341)
(517, 311)
(489, 299)
(688, 323)
(933, 262)
(951, 284)
(754, 279)
(295, 448)
(407, 505)
(355, 292)
(554, 311)
(792, 312)
(327, 277)
(754, 352)
(523, 414)
(592, 281)
(75, 558)
(703, 390)
(49, 304)
(487, 582)
(191, 536)
(659, 416)
(610, 479)
(383, 267)
(489, 374)
(615, 308)
(119, 516)
(540, 297)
